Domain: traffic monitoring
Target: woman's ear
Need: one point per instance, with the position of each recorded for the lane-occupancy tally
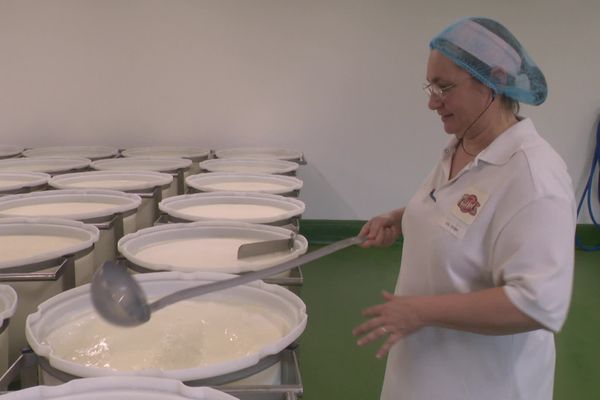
(499, 76)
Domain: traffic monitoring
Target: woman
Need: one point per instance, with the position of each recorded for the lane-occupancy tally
(487, 261)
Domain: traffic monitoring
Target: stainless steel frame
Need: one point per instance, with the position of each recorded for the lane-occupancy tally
(25, 372)
(293, 224)
(51, 270)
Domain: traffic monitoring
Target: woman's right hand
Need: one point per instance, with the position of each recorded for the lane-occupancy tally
(383, 230)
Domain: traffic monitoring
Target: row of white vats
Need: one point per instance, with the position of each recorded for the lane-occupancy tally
(64, 211)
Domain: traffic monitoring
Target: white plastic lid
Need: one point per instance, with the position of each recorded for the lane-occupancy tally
(119, 387)
(113, 180)
(243, 182)
(191, 152)
(157, 164)
(91, 152)
(66, 306)
(10, 151)
(79, 236)
(49, 165)
(70, 204)
(260, 153)
(8, 302)
(205, 246)
(258, 208)
(249, 165)
(11, 181)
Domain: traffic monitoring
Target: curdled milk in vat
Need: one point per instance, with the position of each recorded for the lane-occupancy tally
(233, 211)
(34, 248)
(189, 254)
(245, 186)
(12, 182)
(104, 208)
(253, 166)
(247, 168)
(184, 335)
(210, 245)
(57, 209)
(243, 182)
(14, 247)
(242, 168)
(26, 167)
(120, 184)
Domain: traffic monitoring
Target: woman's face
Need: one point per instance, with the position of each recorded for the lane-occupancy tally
(460, 105)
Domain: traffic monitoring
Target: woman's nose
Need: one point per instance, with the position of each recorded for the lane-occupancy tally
(434, 102)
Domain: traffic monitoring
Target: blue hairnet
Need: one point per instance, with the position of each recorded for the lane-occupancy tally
(491, 54)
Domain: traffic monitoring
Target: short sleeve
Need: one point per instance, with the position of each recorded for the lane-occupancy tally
(533, 259)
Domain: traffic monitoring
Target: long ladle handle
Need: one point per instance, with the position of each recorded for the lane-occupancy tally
(256, 275)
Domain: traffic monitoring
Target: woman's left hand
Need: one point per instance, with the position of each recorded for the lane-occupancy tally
(392, 320)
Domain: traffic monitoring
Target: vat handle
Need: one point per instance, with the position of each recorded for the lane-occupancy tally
(31, 272)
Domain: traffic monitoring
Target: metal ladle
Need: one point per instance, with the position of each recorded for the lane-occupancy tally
(119, 299)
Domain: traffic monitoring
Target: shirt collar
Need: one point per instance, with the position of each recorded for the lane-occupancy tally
(501, 150)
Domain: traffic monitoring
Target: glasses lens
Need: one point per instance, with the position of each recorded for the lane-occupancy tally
(428, 88)
(432, 89)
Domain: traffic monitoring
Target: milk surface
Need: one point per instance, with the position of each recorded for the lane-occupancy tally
(13, 182)
(17, 247)
(245, 186)
(184, 335)
(127, 164)
(105, 184)
(29, 167)
(244, 168)
(202, 254)
(57, 209)
(233, 211)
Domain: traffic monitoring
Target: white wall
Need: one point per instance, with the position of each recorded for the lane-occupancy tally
(337, 79)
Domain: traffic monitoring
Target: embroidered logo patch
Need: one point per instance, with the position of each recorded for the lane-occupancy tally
(468, 204)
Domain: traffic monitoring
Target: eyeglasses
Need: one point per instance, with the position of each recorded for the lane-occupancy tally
(440, 91)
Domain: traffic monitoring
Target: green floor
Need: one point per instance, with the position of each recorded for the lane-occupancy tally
(337, 287)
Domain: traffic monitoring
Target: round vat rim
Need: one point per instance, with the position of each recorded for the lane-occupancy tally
(79, 296)
(130, 243)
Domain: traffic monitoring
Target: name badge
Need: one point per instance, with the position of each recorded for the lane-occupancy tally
(469, 205)
(453, 226)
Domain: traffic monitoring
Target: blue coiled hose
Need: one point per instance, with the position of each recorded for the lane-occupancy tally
(587, 194)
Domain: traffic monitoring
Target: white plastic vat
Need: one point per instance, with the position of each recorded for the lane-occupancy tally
(250, 165)
(191, 356)
(205, 246)
(273, 153)
(245, 182)
(49, 165)
(194, 153)
(8, 306)
(31, 249)
(112, 211)
(258, 208)
(9, 151)
(146, 184)
(90, 152)
(179, 168)
(119, 387)
(20, 182)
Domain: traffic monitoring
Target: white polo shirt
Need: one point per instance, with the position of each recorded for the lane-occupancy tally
(506, 220)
